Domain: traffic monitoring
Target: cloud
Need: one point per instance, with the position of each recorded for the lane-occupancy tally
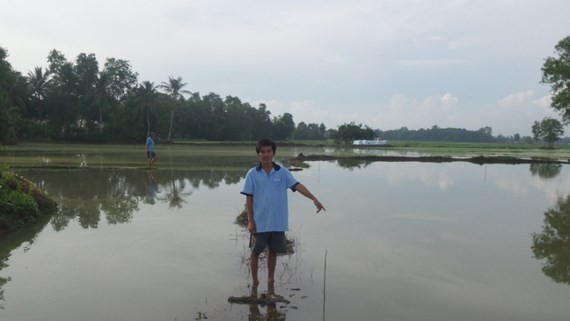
(516, 100)
(414, 113)
(386, 64)
(518, 185)
(543, 102)
(448, 101)
(399, 111)
(430, 62)
(438, 178)
(518, 111)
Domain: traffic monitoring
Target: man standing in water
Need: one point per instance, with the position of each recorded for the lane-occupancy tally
(150, 154)
(265, 189)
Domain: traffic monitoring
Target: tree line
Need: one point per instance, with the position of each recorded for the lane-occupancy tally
(436, 133)
(81, 101)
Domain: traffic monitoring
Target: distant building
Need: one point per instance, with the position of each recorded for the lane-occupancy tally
(373, 142)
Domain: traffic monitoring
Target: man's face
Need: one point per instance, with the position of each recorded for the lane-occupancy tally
(266, 154)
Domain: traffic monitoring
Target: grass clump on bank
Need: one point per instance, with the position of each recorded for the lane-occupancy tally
(21, 203)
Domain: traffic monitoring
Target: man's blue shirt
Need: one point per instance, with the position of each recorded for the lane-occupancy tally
(150, 144)
(269, 192)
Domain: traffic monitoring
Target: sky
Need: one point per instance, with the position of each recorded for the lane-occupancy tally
(386, 64)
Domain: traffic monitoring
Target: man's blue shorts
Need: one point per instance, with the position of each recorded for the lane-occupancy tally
(274, 240)
(150, 155)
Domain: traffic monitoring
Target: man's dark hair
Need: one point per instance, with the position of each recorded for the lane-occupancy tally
(265, 142)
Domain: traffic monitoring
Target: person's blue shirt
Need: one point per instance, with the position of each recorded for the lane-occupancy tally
(269, 192)
(150, 144)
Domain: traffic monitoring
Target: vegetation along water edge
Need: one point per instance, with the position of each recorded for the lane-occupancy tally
(21, 203)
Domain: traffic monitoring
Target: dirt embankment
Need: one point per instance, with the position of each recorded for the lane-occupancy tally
(433, 159)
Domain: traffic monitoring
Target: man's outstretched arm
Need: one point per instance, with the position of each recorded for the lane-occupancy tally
(305, 192)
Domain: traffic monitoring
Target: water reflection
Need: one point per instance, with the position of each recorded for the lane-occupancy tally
(151, 189)
(271, 313)
(553, 243)
(352, 164)
(89, 195)
(443, 251)
(24, 237)
(115, 195)
(174, 192)
(267, 302)
(546, 170)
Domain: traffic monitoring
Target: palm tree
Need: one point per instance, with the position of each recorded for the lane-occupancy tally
(39, 80)
(174, 195)
(146, 98)
(173, 89)
(101, 96)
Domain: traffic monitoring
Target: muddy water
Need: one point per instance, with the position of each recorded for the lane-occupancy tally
(404, 241)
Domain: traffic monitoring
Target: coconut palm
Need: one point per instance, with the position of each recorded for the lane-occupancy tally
(173, 89)
(101, 96)
(39, 80)
(147, 98)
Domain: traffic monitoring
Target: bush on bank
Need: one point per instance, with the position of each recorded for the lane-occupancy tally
(21, 203)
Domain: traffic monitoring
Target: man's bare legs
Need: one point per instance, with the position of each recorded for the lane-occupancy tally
(253, 264)
(151, 161)
(271, 263)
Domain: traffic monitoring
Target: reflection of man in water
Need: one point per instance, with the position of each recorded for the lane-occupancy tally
(272, 314)
(150, 188)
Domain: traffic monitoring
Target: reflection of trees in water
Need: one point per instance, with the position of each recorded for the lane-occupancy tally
(212, 178)
(553, 243)
(545, 170)
(87, 194)
(2, 282)
(352, 164)
(84, 195)
(173, 196)
(14, 240)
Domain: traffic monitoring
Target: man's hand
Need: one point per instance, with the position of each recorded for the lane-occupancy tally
(251, 227)
(319, 205)
(303, 190)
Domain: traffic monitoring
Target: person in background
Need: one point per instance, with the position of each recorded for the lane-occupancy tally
(150, 154)
(265, 189)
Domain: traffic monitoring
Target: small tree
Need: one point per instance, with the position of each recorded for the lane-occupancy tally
(349, 132)
(549, 130)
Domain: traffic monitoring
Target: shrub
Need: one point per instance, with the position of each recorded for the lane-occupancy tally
(20, 202)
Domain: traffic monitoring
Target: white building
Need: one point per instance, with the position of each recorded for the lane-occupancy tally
(374, 142)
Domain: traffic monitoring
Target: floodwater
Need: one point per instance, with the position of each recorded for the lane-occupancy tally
(399, 241)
